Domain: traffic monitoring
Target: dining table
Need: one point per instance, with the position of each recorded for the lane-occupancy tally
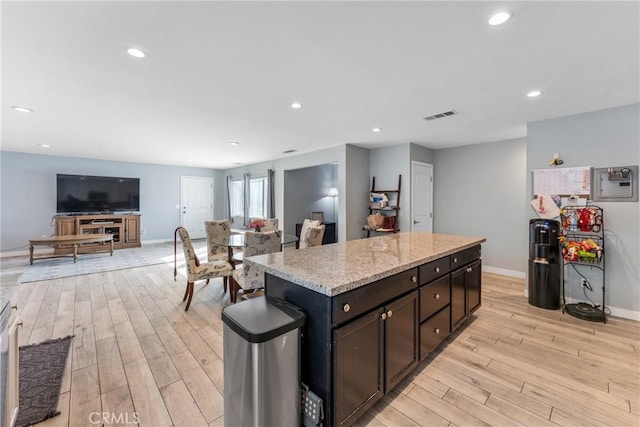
(236, 241)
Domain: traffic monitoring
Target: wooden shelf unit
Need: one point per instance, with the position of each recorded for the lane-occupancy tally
(392, 209)
(125, 230)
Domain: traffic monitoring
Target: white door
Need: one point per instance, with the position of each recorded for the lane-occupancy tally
(421, 196)
(196, 198)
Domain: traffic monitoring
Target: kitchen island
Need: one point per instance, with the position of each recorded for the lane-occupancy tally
(375, 307)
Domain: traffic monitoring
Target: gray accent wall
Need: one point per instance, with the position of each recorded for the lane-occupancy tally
(306, 190)
(478, 191)
(355, 198)
(29, 194)
(602, 138)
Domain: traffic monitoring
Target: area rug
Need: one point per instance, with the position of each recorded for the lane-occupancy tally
(149, 254)
(40, 377)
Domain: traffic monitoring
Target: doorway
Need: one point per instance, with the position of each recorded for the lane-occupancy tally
(196, 202)
(421, 196)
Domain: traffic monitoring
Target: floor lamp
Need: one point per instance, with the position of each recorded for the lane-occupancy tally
(333, 192)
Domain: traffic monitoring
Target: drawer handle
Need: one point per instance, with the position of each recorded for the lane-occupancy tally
(437, 331)
(436, 296)
(469, 270)
(414, 279)
(389, 313)
(346, 308)
(437, 269)
(383, 316)
(455, 260)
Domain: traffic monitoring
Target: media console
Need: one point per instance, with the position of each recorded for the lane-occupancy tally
(124, 228)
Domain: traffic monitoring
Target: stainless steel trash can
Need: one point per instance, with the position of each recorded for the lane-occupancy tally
(262, 363)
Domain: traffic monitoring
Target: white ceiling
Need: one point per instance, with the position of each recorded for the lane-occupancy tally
(228, 71)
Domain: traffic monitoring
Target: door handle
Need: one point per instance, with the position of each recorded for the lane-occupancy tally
(416, 222)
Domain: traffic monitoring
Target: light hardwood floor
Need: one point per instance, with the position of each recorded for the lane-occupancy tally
(136, 354)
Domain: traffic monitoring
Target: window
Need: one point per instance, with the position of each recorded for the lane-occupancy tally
(258, 196)
(236, 194)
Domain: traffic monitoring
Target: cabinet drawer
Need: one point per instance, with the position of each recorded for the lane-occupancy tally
(354, 303)
(433, 331)
(434, 296)
(434, 269)
(465, 257)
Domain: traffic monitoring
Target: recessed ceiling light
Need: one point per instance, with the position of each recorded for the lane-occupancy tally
(376, 129)
(234, 143)
(500, 17)
(22, 109)
(44, 145)
(534, 93)
(296, 105)
(136, 52)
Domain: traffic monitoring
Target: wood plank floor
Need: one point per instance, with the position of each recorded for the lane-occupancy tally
(138, 356)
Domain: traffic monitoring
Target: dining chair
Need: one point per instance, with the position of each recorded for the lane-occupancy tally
(196, 270)
(217, 231)
(304, 231)
(312, 237)
(248, 277)
(270, 224)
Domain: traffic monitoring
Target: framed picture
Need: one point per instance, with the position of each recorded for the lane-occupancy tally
(318, 216)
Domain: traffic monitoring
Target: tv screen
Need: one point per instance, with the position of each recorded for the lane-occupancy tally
(97, 194)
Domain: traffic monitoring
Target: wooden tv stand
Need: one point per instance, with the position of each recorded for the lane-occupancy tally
(124, 228)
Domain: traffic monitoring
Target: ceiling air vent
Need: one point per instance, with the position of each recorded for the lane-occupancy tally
(441, 115)
(289, 151)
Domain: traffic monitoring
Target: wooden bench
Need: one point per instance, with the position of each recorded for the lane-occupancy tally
(71, 239)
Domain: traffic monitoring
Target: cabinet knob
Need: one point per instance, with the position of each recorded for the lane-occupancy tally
(455, 260)
(437, 269)
(469, 270)
(389, 313)
(436, 296)
(437, 331)
(414, 279)
(383, 316)
(346, 308)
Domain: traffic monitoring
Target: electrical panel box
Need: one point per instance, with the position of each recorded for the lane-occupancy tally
(615, 184)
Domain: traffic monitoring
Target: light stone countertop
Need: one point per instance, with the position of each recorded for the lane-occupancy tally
(340, 267)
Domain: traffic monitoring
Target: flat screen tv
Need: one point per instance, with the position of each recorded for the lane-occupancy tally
(84, 194)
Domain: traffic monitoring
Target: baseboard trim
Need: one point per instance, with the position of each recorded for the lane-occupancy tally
(504, 272)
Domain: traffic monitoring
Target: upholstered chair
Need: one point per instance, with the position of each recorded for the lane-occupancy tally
(312, 237)
(270, 224)
(251, 278)
(218, 231)
(196, 270)
(304, 231)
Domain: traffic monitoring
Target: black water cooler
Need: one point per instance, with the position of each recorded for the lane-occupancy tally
(545, 267)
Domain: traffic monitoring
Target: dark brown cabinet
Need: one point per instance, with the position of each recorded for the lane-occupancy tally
(465, 293)
(373, 354)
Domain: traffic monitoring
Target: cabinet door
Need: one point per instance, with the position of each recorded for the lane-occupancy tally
(132, 227)
(358, 367)
(401, 338)
(65, 226)
(474, 285)
(458, 297)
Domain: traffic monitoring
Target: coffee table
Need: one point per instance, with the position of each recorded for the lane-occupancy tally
(70, 239)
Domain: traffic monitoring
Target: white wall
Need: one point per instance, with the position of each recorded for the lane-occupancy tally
(599, 139)
(478, 191)
(28, 194)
